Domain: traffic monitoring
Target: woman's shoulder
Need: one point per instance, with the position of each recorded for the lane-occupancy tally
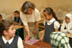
(21, 13)
(36, 10)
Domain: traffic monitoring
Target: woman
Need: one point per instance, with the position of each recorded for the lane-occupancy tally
(30, 17)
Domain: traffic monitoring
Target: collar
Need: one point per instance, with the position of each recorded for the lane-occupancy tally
(9, 41)
(50, 21)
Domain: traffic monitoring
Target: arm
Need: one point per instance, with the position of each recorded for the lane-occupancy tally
(41, 34)
(70, 31)
(70, 28)
(25, 23)
(37, 19)
(20, 43)
(28, 32)
(56, 26)
(62, 28)
(69, 34)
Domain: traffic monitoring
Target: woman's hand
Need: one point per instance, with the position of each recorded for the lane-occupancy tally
(35, 33)
(28, 37)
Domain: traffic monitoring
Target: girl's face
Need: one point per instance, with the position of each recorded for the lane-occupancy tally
(16, 15)
(47, 16)
(11, 31)
(29, 11)
(67, 20)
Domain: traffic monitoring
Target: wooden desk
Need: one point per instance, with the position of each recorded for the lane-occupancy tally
(69, 35)
(39, 44)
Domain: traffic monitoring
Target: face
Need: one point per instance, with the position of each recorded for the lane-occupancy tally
(29, 11)
(67, 19)
(47, 16)
(16, 15)
(11, 31)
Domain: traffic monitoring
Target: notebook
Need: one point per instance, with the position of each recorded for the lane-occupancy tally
(31, 41)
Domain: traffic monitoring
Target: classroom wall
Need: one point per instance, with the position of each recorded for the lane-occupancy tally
(16, 4)
(60, 6)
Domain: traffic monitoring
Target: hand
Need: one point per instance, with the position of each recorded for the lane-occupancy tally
(35, 33)
(28, 37)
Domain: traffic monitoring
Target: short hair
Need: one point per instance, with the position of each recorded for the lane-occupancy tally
(5, 26)
(26, 5)
(17, 12)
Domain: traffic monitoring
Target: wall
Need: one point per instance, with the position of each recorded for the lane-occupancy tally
(60, 6)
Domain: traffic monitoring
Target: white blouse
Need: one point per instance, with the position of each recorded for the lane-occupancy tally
(35, 16)
(19, 43)
(66, 28)
(56, 23)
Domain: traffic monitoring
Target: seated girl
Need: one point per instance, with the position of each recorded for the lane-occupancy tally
(8, 38)
(67, 26)
(17, 21)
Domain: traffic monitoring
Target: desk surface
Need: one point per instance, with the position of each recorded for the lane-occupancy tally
(39, 44)
(18, 26)
(69, 35)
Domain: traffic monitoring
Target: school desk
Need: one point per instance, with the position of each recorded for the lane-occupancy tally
(69, 35)
(39, 44)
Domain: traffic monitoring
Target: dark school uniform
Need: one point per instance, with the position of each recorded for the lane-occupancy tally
(48, 30)
(19, 32)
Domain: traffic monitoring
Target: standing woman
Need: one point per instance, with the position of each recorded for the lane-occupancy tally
(30, 17)
(51, 23)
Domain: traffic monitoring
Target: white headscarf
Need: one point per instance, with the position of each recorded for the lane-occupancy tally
(69, 15)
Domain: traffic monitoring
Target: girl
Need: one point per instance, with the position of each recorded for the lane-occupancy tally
(8, 38)
(30, 17)
(17, 21)
(51, 23)
(67, 26)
